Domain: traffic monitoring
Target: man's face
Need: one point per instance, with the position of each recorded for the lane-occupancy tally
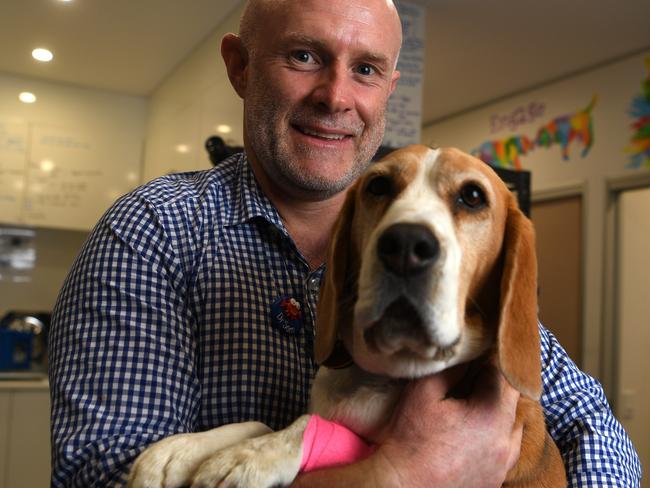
(318, 80)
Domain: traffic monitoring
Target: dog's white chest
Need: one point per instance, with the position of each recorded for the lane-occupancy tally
(361, 401)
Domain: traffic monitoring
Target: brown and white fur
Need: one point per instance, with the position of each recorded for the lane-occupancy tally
(432, 264)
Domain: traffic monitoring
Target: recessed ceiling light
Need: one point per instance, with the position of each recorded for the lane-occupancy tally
(183, 148)
(42, 54)
(27, 97)
(224, 129)
(47, 165)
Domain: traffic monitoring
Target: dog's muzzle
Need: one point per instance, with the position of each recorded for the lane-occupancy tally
(408, 254)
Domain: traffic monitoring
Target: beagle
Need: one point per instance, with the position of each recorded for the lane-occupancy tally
(431, 265)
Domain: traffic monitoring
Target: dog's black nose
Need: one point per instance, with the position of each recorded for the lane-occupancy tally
(407, 248)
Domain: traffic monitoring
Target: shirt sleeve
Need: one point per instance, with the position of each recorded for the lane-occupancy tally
(596, 450)
(122, 350)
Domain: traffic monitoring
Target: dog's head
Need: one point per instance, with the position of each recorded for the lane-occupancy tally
(431, 264)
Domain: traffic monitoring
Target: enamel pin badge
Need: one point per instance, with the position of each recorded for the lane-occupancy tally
(287, 315)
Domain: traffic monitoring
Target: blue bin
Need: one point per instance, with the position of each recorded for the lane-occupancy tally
(15, 349)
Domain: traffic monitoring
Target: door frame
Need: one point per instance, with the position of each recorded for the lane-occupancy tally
(610, 332)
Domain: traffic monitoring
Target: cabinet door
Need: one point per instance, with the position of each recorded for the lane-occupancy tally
(28, 457)
(5, 401)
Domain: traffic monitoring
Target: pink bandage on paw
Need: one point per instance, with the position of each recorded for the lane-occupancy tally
(326, 444)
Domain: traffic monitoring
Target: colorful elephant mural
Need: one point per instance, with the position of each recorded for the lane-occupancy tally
(563, 131)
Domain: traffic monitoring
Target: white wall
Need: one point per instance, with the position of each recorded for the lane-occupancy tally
(615, 86)
(187, 107)
(96, 140)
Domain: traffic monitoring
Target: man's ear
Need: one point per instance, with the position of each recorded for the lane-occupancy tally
(393, 81)
(235, 57)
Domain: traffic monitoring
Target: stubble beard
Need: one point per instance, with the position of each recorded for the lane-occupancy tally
(282, 164)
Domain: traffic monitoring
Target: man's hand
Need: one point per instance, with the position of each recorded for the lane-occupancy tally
(438, 441)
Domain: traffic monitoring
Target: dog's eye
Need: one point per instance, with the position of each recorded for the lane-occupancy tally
(379, 186)
(472, 196)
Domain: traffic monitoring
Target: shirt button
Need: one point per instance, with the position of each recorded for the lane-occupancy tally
(313, 284)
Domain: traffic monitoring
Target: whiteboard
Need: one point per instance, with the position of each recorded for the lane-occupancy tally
(13, 159)
(57, 176)
(404, 111)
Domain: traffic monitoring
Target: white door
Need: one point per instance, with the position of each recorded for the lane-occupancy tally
(633, 320)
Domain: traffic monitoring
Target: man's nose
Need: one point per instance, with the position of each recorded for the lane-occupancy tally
(334, 91)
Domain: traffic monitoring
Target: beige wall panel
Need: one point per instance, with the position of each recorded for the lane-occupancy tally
(5, 419)
(558, 224)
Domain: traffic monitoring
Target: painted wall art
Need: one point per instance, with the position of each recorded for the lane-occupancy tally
(639, 148)
(561, 132)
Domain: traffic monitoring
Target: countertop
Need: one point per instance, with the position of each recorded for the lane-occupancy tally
(23, 380)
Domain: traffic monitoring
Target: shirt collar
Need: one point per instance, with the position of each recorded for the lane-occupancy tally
(249, 200)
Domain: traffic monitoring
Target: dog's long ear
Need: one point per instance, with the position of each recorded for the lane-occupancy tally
(336, 300)
(518, 336)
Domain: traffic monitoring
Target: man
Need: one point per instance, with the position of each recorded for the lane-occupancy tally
(172, 318)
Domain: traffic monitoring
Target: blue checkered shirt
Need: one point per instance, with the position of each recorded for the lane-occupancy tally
(165, 325)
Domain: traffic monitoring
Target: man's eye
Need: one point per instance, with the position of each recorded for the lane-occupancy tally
(302, 56)
(365, 69)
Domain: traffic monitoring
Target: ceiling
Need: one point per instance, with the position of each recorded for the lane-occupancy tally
(477, 51)
(127, 46)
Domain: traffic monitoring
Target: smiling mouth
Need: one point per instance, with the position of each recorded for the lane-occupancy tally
(329, 136)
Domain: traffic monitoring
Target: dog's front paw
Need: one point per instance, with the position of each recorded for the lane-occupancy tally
(249, 464)
(264, 462)
(173, 461)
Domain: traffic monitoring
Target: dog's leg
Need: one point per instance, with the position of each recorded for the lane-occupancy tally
(263, 462)
(172, 462)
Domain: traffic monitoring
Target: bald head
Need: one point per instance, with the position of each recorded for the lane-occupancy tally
(260, 14)
(315, 77)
